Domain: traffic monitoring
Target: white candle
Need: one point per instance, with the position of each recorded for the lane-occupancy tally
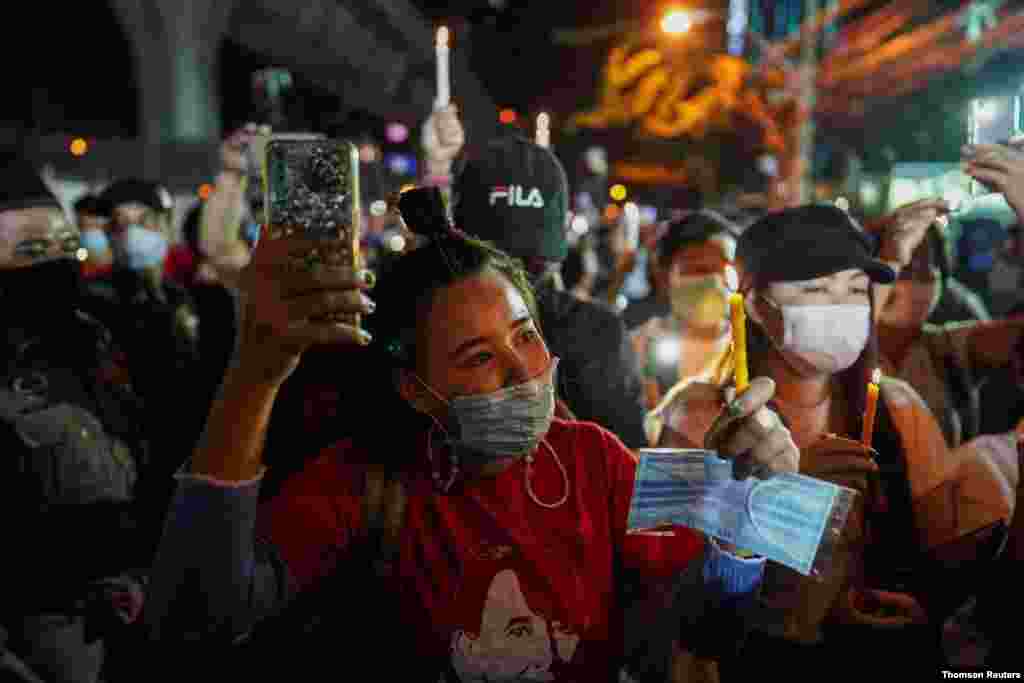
(444, 87)
(543, 130)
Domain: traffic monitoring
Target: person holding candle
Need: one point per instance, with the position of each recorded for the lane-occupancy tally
(692, 343)
(807, 277)
(947, 364)
(507, 525)
(443, 139)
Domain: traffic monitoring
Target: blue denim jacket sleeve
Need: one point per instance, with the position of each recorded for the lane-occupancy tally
(731, 586)
(735, 579)
(212, 579)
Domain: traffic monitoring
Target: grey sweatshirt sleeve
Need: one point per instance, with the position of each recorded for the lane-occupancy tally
(212, 578)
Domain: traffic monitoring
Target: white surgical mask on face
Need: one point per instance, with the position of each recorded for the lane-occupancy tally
(829, 337)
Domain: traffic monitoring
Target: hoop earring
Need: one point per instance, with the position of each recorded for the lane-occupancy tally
(453, 458)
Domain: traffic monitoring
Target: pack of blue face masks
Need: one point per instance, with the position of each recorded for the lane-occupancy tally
(791, 519)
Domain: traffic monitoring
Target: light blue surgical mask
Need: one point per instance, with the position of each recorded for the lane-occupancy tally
(251, 233)
(789, 518)
(508, 422)
(138, 248)
(95, 241)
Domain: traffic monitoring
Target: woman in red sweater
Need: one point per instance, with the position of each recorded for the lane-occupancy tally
(513, 526)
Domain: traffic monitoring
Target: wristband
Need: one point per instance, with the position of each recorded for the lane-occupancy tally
(437, 180)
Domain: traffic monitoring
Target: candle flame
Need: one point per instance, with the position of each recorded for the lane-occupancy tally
(442, 36)
(876, 376)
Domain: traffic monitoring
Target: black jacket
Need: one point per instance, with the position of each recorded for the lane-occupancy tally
(72, 451)
(598, 374)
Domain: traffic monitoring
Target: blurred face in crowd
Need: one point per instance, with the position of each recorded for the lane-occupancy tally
(847, 287)
(915, 294)
(32, 236)
(697, 260)
(125, 215)
(477, 337)
(913, 299)
(140, 237)
(697, 284)
(89, 221)
(95, 237)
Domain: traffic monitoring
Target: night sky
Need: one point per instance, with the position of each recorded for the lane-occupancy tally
(76, 72)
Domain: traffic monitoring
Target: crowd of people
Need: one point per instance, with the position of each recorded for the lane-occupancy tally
(206, 476)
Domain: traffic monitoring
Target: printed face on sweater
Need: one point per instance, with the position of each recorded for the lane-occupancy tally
(513, 642)
(477, 337)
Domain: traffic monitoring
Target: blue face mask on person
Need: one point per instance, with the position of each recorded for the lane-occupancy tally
(95, 241)
(251, 233)
(789, 518)
(138, 248)
(508, 422)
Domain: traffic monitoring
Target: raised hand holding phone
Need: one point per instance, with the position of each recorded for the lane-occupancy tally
(311, 188)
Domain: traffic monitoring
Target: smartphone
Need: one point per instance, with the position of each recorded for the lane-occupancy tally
(311, 190)
(993, 121)
(254, 154)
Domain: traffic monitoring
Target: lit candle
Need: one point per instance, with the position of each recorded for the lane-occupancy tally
(739, 340)
(444, 87)
(631, 218)
(871, 407)
(543, 130)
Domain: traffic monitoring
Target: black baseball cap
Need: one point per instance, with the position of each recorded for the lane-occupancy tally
(808, 242)
(514, 193)
(135, 191)
(92, 205)
(693, 227)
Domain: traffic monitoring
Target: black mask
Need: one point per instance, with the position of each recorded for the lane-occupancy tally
(40, 295)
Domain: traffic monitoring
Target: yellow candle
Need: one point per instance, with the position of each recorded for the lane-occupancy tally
(870, 408)
(739, 340)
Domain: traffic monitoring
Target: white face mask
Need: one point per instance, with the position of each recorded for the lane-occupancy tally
(828, 337)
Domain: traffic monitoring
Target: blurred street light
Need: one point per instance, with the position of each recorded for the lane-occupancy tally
(676, 22)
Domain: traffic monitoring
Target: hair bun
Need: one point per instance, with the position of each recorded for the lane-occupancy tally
(424, 212)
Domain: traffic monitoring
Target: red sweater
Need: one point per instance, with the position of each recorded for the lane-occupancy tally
(504, 584)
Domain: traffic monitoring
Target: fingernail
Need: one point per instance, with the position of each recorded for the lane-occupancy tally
(369, 278)
(736, 408)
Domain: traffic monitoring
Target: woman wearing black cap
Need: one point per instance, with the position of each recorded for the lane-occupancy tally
(807, 275)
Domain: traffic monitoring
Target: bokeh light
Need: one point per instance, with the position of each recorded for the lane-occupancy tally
(397, 133)
(676, 22)
(580, 225)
